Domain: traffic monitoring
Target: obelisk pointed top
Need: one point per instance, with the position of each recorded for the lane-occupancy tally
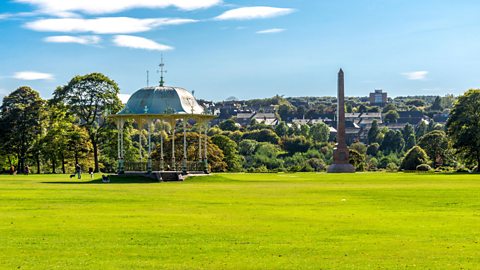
(341, 71)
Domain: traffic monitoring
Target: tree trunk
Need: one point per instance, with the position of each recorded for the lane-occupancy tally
(95, 154)
(478, 162)
(21, 165)
(38, 163)
(53, 165)
(63, 163)
(76, 156)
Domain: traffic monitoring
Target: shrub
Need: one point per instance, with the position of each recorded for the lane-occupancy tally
(424, 168)
(392, 167)
(414, 157)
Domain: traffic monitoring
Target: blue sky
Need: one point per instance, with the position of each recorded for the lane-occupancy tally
(246, 49)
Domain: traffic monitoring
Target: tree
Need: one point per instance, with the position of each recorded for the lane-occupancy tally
(20, 122)
(421, 129)
(410, 142)
(437, 104)
(409, 136)
(228, 125)
(391, 116)
(463, 126)
(296, 144)
(281, 129)
(285, 110)
(88, 97)
(320, 132)
(359, 147)
(264, 135)
(372, 149)
(414, 157)
(373, 132)
(392, 142)
(436, 146)
(229, 148)
(247, 147)
(357, 160)
(389, 107)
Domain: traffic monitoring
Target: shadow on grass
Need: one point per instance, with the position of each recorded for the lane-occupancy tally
(113, 180)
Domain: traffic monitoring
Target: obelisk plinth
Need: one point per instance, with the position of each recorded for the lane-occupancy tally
(340, 153)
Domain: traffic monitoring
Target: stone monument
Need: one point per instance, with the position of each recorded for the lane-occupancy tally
(340, 153)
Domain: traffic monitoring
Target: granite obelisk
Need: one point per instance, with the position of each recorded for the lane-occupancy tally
(340, 153)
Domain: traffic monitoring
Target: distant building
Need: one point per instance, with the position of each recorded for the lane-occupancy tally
(244, 118)
(378, 98)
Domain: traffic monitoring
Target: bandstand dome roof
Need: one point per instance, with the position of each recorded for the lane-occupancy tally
(162, 100)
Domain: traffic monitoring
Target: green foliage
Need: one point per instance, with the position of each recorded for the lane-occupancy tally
(228, 125)
(20, 123)
(373, 132)
(391, 167)
(359, 147)
(424, 168)
(463, 126)
(414, 157)
(357, 160)
(391, 117)
(436, 146)
(296, 144)
(392, 142)
(264, 135)
(320, 132)
(437, 104)
(90, 97)
(229, 148)
(247, 147)
(281, 129)
(372, 149)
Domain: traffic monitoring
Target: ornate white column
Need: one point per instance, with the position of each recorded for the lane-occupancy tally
(149, 161)
(173, 145)
(120, 124)
(162, 168)
(184, 162)
(205, 148)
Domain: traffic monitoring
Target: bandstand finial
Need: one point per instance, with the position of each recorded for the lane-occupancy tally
(162, 71)
(148, 78)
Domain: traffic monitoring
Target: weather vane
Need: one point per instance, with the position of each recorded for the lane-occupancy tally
(162, 71)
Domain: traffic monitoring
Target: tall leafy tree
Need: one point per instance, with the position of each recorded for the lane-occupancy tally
(320, 132)
(20, 122)
(88, 97)
(373, 132)
(391, 116)
(436, 146)
(409, 136)
(392, 142)
(463, 126)
(230, 150)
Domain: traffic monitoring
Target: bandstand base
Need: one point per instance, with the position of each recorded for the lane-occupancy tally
(166, 176)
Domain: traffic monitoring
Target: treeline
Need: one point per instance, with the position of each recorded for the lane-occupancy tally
(51, 136)
(54, 135)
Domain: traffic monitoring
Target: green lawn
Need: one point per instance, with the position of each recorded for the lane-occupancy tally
(242, 221)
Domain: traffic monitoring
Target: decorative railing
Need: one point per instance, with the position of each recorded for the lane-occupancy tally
(167, 166)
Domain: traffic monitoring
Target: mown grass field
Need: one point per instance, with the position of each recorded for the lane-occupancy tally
(242, 221)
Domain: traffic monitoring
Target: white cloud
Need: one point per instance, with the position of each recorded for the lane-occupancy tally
(69, 7)
(271, 31)
(32, 76)
(250, 13)
(124, 97)
(416, 75)
(85, 40)
(105, 25)
(139, 43)
(5, 16)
